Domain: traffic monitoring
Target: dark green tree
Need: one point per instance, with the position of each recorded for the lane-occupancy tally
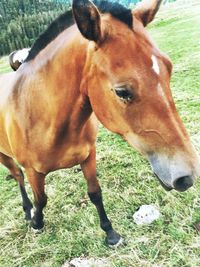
(21, 21)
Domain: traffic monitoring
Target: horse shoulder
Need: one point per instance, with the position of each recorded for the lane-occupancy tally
(7, 81)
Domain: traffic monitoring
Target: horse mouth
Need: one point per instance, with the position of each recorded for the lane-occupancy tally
(165, 186)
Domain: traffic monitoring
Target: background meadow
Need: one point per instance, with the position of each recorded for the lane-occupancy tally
(71, 223)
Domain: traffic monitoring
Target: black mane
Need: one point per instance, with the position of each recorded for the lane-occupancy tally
(116, 10)
(65, 20)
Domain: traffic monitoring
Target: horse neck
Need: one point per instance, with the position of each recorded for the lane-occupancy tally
(61, 76)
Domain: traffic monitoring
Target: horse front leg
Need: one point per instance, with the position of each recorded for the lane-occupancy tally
(17, 174)
(113, 239)
(37, 182)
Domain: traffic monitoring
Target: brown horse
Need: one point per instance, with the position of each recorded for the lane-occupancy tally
(16, 58)
(104, 66)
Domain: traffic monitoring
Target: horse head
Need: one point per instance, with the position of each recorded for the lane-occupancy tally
(127, 80)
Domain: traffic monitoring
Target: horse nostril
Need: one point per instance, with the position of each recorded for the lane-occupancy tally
(183, 183)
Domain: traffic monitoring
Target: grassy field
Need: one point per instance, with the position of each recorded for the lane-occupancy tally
(4, 67)
(72, 226)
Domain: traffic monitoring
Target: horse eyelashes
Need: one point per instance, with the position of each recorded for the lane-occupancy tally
(124, 93)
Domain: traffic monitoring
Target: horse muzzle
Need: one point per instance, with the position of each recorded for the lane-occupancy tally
(174, 172)
(181, 184)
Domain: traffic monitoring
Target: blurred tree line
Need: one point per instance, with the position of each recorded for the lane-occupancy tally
(21, 21)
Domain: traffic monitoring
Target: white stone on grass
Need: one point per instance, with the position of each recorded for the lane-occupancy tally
(84, 262)
(146, 215)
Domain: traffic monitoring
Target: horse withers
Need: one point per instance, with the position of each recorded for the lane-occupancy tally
(104, 66)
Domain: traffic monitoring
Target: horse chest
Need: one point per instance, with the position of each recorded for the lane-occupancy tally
(73, 155)
(66, 157)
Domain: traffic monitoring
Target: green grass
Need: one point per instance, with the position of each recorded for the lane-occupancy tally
(72, 230)
(4, 66)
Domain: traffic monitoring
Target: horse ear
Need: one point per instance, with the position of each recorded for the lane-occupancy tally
(88, 19)
(147, 10)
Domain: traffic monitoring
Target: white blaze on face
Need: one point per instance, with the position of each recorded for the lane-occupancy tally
(21, 55)
(155, 65)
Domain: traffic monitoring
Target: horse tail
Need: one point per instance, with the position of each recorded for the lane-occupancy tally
(16, 58)
(13, 64)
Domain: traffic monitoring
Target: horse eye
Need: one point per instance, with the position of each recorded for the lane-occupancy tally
(124, 93)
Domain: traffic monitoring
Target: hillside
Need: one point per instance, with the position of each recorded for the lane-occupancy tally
(21, 21)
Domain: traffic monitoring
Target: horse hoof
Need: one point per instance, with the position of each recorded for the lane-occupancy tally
(29, 213)
(113, 239)
(36, 231)
(38, 227)
(9, 177)
(28, 216)
(118, 244)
